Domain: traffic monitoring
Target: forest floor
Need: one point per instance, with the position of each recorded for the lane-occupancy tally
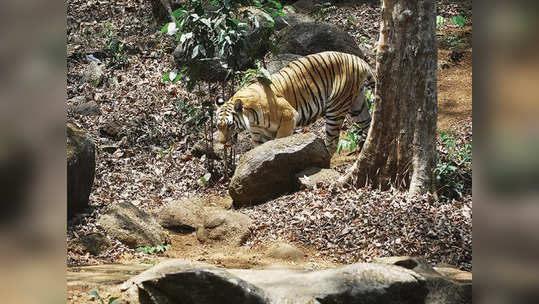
(152, 164)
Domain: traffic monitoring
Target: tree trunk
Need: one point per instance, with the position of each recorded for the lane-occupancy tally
(400, 147)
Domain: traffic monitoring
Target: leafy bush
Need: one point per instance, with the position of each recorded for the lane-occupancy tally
(453, 170)
(351, 140)
(114, 47)
(217, 31)
(259, 73)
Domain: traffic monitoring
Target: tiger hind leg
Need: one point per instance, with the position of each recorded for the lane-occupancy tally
(333, 128)
(359, 112)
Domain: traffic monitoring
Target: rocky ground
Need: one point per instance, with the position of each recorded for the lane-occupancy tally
(144, 132)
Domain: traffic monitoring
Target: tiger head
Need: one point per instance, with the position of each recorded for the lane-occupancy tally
(227, 118)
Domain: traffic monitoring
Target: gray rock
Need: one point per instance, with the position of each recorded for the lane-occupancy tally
(291, 19)
(94, 243)
(87, 109)
(182, 216)
(242, 144)
(442, 288)
(280, 61)
(80, 169)
(269, 170)
(316, 177)
(93, 73)
(315, 37)
(358, 283)
(285, 251)
(132, 226)
(308, 6)
(76, 100)
(109, 148)
(224, 226)
(111, 129)
(192, 282)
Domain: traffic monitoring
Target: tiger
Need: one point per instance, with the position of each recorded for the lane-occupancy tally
(325, 84)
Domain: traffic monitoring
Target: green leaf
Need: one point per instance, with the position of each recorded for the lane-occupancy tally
(276, 4)
(257, 3)
(177, 13)
(114, 300)
(459, 20)
(166, 77)
(164, 29)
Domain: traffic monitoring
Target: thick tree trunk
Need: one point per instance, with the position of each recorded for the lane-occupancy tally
(400, 147)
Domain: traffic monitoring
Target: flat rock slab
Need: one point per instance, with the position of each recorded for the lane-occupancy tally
(202, 284)
(110, 274)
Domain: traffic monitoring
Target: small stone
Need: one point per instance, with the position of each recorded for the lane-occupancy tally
(90, 108)
(285, 251)
(111, 129)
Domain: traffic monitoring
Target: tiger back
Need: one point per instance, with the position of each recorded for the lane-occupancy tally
(327, 84)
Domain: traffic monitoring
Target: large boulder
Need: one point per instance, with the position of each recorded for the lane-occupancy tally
(224, 226)
(291, 19)
(132, 226)
(280, 61)
(269, 169)
(358, 283)
(315, 37)
(80, 169)
(308, 6)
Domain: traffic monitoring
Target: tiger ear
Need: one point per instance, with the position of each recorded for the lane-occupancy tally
(219, 101)
(238, 106)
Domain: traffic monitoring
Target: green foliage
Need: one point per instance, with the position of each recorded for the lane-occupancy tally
(453, 169)
(195, 116)
(258, 73)
(218, 32)
(204, 180)
(113, 46)
(351, 140)
(173, 76)
(369, 98)
(459, 21)
(323, 10)
(154, 249)
(440, 22)
(452, 42)
(112, 300)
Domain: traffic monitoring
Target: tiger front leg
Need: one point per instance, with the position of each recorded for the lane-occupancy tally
(333, 128)
(286, 124)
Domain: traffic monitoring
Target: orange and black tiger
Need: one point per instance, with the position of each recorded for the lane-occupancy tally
(328, 84)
